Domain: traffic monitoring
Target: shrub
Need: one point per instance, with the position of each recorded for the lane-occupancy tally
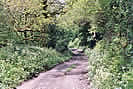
(59, 37)
(107, 67)
(18, 63)
(110, 62)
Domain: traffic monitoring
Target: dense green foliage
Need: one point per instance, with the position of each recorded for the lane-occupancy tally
(25, 33)
(108, 68)
(111, 60)
(59, 37)
(19, 63)
(103, 27)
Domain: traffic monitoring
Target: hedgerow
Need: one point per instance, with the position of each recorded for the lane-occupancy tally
(108, 69)
(19, 63)
(111, 61)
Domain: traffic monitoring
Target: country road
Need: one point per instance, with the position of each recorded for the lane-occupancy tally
(69, 75)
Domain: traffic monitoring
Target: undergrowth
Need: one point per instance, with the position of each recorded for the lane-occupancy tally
(19, 63)
(108, 68)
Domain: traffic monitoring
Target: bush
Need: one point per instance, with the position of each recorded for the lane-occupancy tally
(59, 37)
(110, 62)
(108, 67)
(19, 63)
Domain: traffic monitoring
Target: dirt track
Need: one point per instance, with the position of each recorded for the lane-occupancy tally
(69, 75)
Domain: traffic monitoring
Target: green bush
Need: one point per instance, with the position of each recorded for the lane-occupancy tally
(18, 63)
(110, 62)
(59, 37)
(108, 68)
